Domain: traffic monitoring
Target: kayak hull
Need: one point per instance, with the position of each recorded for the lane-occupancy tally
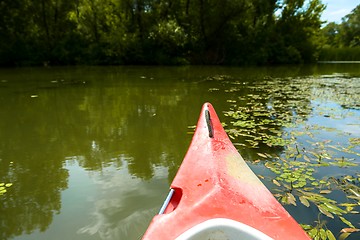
(214, 182)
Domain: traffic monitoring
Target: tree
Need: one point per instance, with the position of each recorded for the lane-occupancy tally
(350, 29)
(345, 34)
(298, 29)
(161, 31)
(330, 33)
(56, 38)
(15, 33)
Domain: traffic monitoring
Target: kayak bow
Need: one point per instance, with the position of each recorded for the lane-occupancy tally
(215, 195)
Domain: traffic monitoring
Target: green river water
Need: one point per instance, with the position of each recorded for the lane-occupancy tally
(90, 151)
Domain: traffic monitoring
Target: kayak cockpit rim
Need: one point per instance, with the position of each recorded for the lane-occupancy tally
(222, 228)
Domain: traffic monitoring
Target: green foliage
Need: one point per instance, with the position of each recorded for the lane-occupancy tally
(351, 29)
(158, 32)
(300, 43)
(331, 34)
(168, 39)
(342, 41)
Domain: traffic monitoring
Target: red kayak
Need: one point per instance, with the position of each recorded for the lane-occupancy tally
(215, 195)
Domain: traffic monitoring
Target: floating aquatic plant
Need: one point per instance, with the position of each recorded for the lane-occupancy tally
(273, 115)
(3, 187)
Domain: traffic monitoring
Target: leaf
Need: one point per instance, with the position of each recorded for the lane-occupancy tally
(354, 192)
(304, 201)
(353, 197)
(349, 230)
(291, 199)
(330, 235)
(317, 237)
(325, 191)
(354, 141)
(312, 233)
(349, 206)
(276, 183)
(287, 186)
(323, 234)
(269, 165)
(325, 212)
(262, 155)
(343, 236)
(333, 208)
(8, 185)
(306, 226)
(306, 158)
(347, 222)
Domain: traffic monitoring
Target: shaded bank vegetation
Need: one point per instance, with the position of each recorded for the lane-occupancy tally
(241, 32)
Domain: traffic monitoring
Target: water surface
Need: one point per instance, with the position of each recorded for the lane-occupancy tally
(91, 151)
